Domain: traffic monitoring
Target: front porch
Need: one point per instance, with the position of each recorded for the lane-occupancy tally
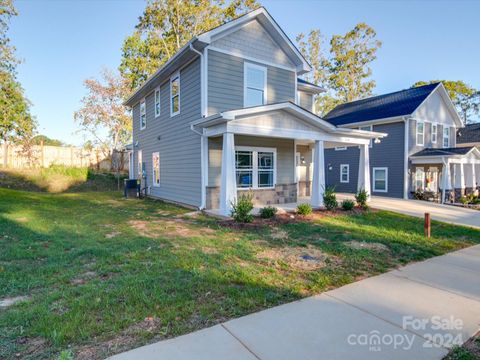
(447, 173)
(259, 149)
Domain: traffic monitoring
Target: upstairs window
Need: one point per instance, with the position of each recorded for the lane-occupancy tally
(434, 133)
(446, 137)
(175, 94)
(143, 115)
(420, 133)
(157, 102)
(255, 85)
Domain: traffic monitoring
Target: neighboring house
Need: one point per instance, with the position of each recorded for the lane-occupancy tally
(469, 135)
(421, 147)
(228, 113)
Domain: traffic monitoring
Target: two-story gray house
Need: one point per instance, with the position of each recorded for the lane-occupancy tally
(228, 113)
(419, 150)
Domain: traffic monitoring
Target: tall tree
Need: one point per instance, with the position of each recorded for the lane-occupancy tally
(15, 119)
(103, 117)
(465, 97)
(166, 25)
(343, 70)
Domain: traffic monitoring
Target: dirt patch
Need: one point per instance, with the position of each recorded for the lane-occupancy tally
(83, 278)
(126, 340)
(360, 245)
(278, 234)
(10, 301)
(112, 234)
(29, 346)
(209, 250)
(300, 258)
(168, 228)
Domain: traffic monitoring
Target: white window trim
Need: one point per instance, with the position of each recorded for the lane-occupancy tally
(145, 109)
(153, 169)
(139, 163)
(348, 173)
(417, 133)
(434, 132)
(157, 90)
(247, 65)
(445, 127)
(386, 179)
(255, 150)
(177, 74)
(370, 128)
(340, 148)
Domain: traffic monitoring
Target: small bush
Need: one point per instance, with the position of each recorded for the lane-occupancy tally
(304, 209)
(241, 210)
(330, 199)
(268, 212)
(65, 355)
(348, 205)
(464, 200)
(361, 197)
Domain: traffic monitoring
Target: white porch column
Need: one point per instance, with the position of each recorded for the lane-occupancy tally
(470, 176)
(228, 186)
(446, 180)
(364, 170)
(318, 181)
(459, 176)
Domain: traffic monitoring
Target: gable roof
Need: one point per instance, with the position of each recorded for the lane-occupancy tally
(190, 50)
(469, 134)
(444, 152)
(399, 103)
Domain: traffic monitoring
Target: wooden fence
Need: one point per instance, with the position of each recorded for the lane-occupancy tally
(44, 156)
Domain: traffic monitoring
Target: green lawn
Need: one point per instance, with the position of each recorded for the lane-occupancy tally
(103, 274)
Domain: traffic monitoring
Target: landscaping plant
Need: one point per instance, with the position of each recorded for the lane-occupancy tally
(361, 197)
(348, 205)
(241, 211)
(330, 198)
(268, 212)
(304, 209)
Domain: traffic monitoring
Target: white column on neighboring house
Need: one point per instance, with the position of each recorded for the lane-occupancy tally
(477, 174)
(364, 170)
(228, 186)
(318, 181)
(446, 180)
(459, 176)
(469, 176)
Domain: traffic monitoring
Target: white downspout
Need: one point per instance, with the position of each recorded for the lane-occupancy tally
(405, 158)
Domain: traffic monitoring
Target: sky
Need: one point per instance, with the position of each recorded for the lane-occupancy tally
(63, 42)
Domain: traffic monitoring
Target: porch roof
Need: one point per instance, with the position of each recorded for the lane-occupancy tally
(468, 154)
(317, 124)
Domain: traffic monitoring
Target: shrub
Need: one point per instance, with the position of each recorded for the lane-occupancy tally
(348, 205)
(330, 199)
(361, 197)
(464, 200)
(268, 212)
(304, 209)
(65, 355)
(242, 208)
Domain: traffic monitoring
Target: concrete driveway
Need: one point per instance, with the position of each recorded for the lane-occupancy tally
(446, 213)
(416, 312)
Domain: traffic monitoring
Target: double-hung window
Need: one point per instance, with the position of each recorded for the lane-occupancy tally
(255, 85)
(255, 167)
(344, 173)
(175, 94)
(380, 179)
(419, 182)
(156, 168)
(368, 128)
(420, 133)
(157, 102)
(446, 137)
(434, 133)
(143, 115)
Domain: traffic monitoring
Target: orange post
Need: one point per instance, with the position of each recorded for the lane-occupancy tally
(427, 225)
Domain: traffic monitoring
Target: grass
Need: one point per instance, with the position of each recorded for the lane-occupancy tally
(58, 178)
(103, 274)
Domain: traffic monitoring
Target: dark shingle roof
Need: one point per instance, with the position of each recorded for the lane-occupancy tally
(469, 134)
(444, 152)
(398, 103)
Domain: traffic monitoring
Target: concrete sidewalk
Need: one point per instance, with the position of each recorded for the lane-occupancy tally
(416, 312)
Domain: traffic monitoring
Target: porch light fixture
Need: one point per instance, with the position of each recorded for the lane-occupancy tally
(159, 137)
(377, 141)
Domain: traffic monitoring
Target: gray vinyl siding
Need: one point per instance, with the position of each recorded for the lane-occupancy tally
(388, 153)
(412, 139)
(305, 100)
(225, 82)
(178, 147)
(285, 156)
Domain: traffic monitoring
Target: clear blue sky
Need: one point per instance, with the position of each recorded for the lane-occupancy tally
(64, 42)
